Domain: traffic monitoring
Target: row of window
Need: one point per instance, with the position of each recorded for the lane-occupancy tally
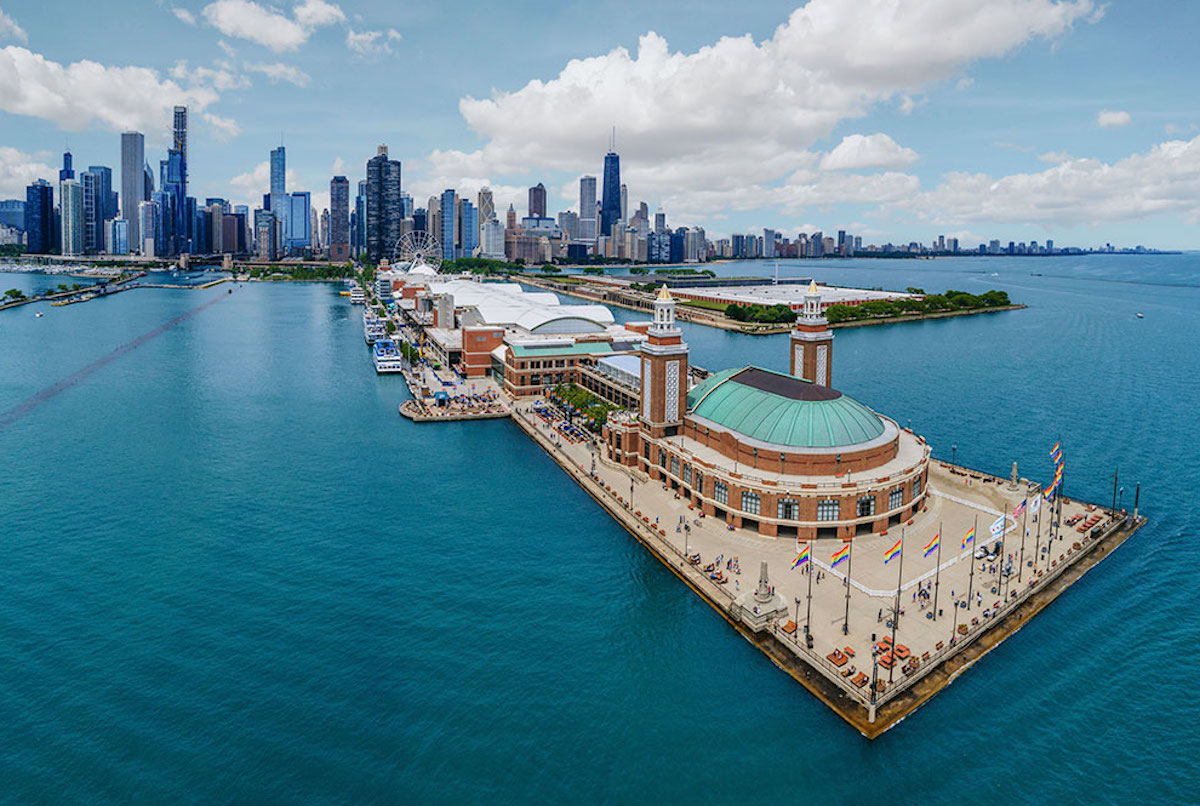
(786, 508)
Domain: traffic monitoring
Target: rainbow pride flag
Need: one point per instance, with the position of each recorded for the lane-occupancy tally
(802, 557)
(892, 552)
(932, 545)
(839, 555)
(1056, 451)
(968, 537)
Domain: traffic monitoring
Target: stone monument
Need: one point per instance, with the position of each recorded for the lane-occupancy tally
(758, 608)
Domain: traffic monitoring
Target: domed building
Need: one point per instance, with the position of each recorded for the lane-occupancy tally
(784, 453)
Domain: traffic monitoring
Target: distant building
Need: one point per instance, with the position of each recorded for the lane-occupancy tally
(39, 218)
(587, 209)
(610, 204)
(298, 223)
(116, 236)
(448, 229)
(383, 211)
(133, 182)
(537, 201)
(339, 219)
(70, 194)
(147, 217)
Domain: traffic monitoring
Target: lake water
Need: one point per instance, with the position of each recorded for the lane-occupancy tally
(231, 571)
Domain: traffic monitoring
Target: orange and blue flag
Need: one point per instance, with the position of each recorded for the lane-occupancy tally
(802, 557)
(840, 555)
(968, 537)
(892, 552)
(932, 545)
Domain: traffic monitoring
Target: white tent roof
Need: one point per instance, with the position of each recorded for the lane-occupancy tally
(510, 304)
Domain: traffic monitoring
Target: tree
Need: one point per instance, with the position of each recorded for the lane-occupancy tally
(14, 294)
(593, 270)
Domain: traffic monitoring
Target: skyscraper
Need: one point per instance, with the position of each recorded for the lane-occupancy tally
(298, 226)
(587, 208)
(610, 203)
(179, 143)
(67, 172)
(537, 201)
(339, 218)
(133, 185)
(39, 218)
(170, 238)
(383, 213)
(278, 202)
(99, 205)
(70, 202)
(448, 229)
(468, 220)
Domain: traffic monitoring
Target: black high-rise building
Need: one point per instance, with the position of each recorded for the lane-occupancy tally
(537, 201)
(610, 200)
(39, 217)
(384, 212)
(339, 218)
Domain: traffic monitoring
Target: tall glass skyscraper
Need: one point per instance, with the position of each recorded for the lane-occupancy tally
(278, 199)
(610, 203)
(99, 205)
(70, 203)
(587, 208)
(298, 227)
(383, 210)
(468, 225)
(133, 183)
(339, 219)
(39, 218)
(449, 228)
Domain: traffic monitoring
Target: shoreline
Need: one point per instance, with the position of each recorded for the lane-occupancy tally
(870, 721)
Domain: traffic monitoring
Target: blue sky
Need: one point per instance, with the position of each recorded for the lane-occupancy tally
(896, 119)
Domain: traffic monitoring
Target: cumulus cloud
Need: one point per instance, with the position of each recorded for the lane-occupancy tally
(270, 27)
(18, 169)
(1165, 179)
(249, 187)
(183, 15)
(857, 151)
(225, 129)
(367, 44)
(1055, 157)
(87, 93)
(281, 72)
(679, 113)
(219, 78)
(1110, 119)
(10, 30)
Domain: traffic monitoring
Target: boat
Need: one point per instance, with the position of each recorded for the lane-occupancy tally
(1141, 315)
(386, 357)
(39, 315)
(357, 296)
(374, 328)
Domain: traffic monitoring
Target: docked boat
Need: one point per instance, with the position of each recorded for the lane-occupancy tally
(387, 358)
(374, 328)
(357, 296)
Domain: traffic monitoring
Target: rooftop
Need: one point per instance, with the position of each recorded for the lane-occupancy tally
(776, 409)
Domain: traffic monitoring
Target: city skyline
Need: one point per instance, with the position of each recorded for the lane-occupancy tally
(1008, 131)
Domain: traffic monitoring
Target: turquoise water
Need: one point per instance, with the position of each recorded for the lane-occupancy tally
(231, 572)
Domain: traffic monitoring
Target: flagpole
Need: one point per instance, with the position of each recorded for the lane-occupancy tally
(1003, 553)
(808, 609)
(971, 559)
(896, 609)
(1024, 522)
(937, 574)
(1037, 544)
(849, 568)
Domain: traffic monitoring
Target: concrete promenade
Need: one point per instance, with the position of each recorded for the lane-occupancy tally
(977, 605)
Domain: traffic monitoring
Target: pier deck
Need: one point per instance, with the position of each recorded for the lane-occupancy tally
(957, 502)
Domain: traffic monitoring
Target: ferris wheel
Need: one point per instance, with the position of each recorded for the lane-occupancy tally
(416, 248)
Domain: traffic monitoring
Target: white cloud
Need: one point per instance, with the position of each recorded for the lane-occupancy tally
(317, 13)
(1055, 157)
(10, 30)
(222, 78)
(964, 82)
(183, 15)
(908, 104)
(229, 50)
(224, 128)
(857, 151)
(249, 187)
(281, 72)
(368, 44)
(88, 93)
(678, 112)
(1110, 119)
(18, 169)
(270, 27)
(339, 166)
(1165, 179)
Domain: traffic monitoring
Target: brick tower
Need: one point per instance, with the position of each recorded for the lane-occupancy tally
(812, 341)
(664, 371)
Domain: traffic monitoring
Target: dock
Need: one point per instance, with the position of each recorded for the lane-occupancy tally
(781, 641)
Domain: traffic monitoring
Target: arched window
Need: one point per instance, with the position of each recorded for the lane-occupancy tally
(828, 510)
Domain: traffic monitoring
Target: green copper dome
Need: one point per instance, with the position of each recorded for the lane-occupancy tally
(783, 410)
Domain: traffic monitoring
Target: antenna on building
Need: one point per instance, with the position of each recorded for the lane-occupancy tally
(612, 142)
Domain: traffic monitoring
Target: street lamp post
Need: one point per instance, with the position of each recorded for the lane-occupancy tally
(953, 452)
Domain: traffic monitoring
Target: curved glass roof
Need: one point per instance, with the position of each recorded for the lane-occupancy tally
(783, 410)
